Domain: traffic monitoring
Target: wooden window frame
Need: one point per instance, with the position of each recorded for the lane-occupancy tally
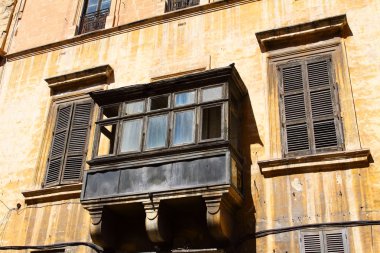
(170, 111)
(55, 108)
(333, 48)
(309, 121)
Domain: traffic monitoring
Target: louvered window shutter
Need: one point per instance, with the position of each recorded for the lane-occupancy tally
(312, 242)
(76, 148)
(309, 107)
(335, 241)
(57, 150)
(69, 143)
(324, 117)
(294, 116)
(324, 241)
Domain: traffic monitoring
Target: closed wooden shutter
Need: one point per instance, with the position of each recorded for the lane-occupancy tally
(294, 116)
(335, 241)
(309, 107)
(57, 150)
(69, 143)
(76, 148)
(324, 241)
(312, 242)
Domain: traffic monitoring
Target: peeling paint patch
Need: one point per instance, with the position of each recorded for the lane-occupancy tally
(296, 184)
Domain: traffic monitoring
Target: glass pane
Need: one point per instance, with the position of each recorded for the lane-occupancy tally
(157, 131)
(134, 107)
(213, 93)
(211, 122)
(105, 4)
(160, 102)
(184, 98)
(131, 135)
(183, 127)
(110, 111)
(92, 6)
(106, 140)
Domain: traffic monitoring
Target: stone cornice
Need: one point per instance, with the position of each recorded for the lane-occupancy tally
(99, 74)
(140, 24)
(317, 162)
(304, 33)
(57, 193)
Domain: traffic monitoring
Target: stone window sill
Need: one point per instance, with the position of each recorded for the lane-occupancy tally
(319, 162)
(57, 193)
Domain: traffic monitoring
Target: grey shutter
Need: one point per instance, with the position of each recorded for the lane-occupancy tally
(324, 118)
(294, 117)
(335, 241)
(58, 147)
(77, 142)
(312, 242)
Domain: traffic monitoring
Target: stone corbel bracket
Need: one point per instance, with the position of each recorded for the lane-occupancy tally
(96, 75)
(156, 224)
(305, 33)
(221, 207)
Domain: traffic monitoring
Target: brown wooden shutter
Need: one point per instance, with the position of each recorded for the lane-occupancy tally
(58, 147)
(324, 117)
(77, 142)
(294, 116)
(312, 242)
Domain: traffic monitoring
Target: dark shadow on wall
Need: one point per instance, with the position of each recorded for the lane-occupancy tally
(245, 217)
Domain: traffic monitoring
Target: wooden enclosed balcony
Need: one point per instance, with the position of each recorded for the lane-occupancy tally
(165, 148)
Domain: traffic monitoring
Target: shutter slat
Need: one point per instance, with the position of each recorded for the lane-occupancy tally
(73, 168)
(334, 242)
(321, 103)
(318, 74)
(325, 134)
(312, 243)
(294, 107)
(58, 145)
(77, 142)
(292, 78)
(297, 137)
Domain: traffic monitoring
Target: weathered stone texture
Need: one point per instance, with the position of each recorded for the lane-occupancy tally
(208, 40)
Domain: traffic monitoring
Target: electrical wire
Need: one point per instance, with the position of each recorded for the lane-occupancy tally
(264, 233)
(54, 246)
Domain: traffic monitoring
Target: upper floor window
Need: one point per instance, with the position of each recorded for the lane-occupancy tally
(69, 143)
(173, 5)
(309, 108)
(324, 241)
(94, 16)
(163, 121)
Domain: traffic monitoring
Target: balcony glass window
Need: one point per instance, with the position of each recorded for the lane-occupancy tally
(170, 121)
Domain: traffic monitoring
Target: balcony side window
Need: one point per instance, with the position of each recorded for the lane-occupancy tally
(94, 15)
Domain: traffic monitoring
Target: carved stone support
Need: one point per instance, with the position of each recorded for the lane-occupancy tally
(156, 222)
(101, 228)
(219, 216)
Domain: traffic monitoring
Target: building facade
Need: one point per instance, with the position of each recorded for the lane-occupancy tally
(190, 126)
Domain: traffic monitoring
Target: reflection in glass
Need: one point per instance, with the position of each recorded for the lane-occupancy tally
(157, 131)
(211, 122)
(213, 93)
(134, 107)
(106, 139)
(105, 4)
(184, 98)
(131, 135)
(183, 127)
(159, 102)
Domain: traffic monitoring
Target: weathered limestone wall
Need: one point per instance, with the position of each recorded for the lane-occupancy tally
(208, 40)
(6, 8)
